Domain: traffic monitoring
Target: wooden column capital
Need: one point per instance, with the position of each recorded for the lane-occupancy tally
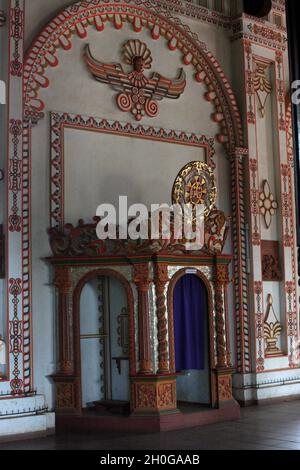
(161, 274)
(221, 274)
(62, 280)
(141, 276)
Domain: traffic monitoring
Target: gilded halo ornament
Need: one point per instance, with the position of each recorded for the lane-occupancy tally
(195, 185)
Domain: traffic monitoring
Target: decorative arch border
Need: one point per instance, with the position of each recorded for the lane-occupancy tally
(78, 17)
(76, 294)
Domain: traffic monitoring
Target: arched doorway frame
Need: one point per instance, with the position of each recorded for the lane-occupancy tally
(153, 389)
(70, 281)
(210, 321)
(92, 274)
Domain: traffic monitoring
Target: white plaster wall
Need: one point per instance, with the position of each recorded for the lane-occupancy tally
(73, 90)
(268, 385)
(25, 415)
(109, 172)
(90, 349)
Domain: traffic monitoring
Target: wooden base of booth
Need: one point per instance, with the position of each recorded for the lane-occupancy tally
(87, 423)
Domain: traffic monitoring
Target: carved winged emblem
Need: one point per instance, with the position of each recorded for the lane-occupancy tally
(137, 93)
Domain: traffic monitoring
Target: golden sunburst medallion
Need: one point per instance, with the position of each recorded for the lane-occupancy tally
(195, 185)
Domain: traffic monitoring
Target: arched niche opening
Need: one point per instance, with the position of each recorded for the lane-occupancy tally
(191, 341)
(104, 346)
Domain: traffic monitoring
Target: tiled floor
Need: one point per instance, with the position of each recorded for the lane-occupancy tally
(262, 428)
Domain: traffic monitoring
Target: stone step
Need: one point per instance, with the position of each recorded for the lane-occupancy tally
(116, 407)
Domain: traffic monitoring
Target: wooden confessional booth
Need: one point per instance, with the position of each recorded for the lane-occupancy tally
(142, 330)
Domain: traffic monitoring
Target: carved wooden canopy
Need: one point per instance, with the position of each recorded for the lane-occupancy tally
(82, 240)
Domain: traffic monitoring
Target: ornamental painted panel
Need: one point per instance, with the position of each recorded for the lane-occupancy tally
(262, 84)
(271, 264)
(145, 396)
(225, 388)
(267, 204)
(167, 396)
(137, 93)
(272, 329)
(65, 396)
(62, 122)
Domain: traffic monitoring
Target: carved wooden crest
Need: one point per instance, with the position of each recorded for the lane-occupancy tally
(82, 241)
(137, 93)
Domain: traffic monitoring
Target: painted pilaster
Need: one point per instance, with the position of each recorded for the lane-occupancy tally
(63, 284)
(224, 371)
(17, 366)
(238, 162)
(288, 216)
(3, 153)
(18, 413)
(269, 207)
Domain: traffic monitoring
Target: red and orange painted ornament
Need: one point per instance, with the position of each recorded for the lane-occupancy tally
(137, 93)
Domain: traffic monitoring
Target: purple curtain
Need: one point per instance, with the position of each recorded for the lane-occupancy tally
(190, 308)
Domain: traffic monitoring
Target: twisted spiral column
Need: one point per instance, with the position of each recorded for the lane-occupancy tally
(161, 280)
(220, 283)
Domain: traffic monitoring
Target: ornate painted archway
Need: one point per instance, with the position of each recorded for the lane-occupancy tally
(26, 111)
(78, 17)
(152, 373)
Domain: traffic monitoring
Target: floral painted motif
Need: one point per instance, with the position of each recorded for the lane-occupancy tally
(268, 205)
